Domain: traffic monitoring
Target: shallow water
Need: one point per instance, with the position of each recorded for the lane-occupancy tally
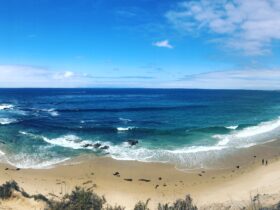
(190, 128)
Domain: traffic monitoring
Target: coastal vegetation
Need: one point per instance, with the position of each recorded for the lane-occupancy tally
(81, 199)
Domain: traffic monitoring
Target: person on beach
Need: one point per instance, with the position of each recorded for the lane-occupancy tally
(266, 162)
(262, 161)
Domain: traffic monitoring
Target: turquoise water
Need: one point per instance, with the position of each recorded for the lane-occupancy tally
(189, 128)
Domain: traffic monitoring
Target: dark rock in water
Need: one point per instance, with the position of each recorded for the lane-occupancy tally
(129, 180)
(97, 145)
(104, 147)
(2, 142)
(87, 145)
(132, 142)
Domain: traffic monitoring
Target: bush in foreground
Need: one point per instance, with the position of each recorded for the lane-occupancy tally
(180, 204)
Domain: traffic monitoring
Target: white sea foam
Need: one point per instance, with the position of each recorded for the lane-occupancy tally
(2, 153)
(125, 120)
(125, 128)
(51, 112)
(190, 157)
(70, 141)
(187, 156)
(6, 106)
(7, 121)
(24, 161)
(253, 135)
(233, 127)
(264, 127)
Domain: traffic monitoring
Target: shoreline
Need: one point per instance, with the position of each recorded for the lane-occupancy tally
(134, 181)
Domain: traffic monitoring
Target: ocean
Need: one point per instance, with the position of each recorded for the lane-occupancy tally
(188, 128)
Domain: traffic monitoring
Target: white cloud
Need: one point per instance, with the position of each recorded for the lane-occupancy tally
(238, 79)
(31, 76)
(164, 43)
(68, 74)
(246, 25)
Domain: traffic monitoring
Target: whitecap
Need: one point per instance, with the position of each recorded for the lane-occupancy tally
(6, 106)
(125, 128)
(233, 127)
(7, 121)
(125, 120)
(263, 132)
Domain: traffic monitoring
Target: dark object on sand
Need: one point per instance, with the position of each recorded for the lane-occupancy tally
(254, 156)
(117, 174)
(164, 185)
(266, 162)
(144, 180)
(237, 166)
(132, 142)
(159, 178)
(6, 169)
(104, 147)
(156, 186)
(129, 180)
(262, 161)
(18, 169)
(199, 174)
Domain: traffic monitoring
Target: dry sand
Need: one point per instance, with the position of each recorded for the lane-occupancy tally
(160, 182)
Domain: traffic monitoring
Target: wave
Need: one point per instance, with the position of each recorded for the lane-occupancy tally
(26, 162)
(52, 112)
(233, 127)
(70, 141)
(7, 121)
(125, 129)
(260, 133)
(6, 106)
(125, 120)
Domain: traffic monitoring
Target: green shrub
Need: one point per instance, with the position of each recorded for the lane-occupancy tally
(7, 189)
(79, 199)
(180, 204)
(142, 206)
(114, 208)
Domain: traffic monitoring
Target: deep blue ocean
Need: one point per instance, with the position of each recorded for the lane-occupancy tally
(188, 128)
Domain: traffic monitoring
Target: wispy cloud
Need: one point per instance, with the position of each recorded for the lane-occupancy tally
(249, 26)
(33, 76)
(164, 44)
(238, 79)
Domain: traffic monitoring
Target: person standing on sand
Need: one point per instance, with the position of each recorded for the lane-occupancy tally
(262, 161)
(266, 162)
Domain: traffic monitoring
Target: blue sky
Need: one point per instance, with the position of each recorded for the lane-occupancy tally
(140, 43)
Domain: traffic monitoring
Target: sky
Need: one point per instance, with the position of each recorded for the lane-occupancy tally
(217, 44)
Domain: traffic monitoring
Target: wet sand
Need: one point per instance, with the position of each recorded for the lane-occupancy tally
(126, 182)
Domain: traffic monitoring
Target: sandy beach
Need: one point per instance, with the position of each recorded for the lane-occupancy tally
(126, 182)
